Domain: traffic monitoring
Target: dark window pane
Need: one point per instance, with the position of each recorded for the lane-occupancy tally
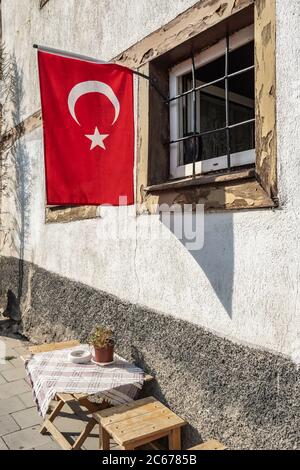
(187, 82)
(242, 138)
(212, 145)
(243, 84)
(211, 71)
(185, 115)
(211, 108)
(208, 73)
(189, 150)
(241, 97)
(207, 146)
(241, 58)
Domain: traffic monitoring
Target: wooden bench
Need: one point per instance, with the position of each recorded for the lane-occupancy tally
(75, 401)
(211, 444)
(137, 423)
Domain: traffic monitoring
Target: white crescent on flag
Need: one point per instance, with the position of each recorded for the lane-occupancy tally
(91, 86)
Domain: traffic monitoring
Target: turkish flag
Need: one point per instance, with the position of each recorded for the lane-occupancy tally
(88, 121)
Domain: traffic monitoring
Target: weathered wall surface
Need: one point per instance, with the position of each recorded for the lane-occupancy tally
(245, 397)
(99, 29)
(244, 282)
(242, 285)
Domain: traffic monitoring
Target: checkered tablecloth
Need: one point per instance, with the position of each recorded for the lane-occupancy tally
(51, 372)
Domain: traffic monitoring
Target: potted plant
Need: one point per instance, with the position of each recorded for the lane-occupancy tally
(102, 339)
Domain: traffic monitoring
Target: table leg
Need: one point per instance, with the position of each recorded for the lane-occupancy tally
(104, 438)
(52, 415)
(127, 447)
(85, 433)
(175, 439)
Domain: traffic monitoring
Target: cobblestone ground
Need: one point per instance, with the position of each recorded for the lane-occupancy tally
(19, 420)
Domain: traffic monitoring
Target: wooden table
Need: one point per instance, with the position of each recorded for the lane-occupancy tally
(74, 400)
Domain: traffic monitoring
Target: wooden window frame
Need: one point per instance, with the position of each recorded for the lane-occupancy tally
(204, 24)
(247, 157)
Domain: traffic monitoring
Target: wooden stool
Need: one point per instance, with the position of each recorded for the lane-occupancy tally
(138, 423)
(212, 444)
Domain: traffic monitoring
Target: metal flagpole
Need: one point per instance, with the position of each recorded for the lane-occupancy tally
(96, 61)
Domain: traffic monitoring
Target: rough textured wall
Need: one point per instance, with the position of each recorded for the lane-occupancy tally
(244, 283)
(248, 399)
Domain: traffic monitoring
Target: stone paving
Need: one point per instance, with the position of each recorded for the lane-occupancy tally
(19, 420)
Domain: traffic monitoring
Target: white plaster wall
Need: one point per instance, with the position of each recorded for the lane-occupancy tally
(98, 28)
(244, 283)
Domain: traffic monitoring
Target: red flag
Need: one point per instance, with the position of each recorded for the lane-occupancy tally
(88, 131)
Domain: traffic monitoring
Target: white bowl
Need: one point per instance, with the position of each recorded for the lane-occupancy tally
(80, 356)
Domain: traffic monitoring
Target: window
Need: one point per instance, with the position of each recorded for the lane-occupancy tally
(212, 109)
(212, 123)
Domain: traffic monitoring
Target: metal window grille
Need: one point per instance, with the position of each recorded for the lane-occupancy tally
(194, 135)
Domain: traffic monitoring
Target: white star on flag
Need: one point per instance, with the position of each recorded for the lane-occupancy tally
(97, 139)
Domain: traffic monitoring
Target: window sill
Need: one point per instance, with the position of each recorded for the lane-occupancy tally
(201, 180)
(237, 190)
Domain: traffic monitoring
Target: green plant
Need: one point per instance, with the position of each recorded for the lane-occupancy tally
(101, 336)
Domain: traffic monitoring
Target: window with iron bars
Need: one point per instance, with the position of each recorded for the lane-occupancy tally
(212, 123)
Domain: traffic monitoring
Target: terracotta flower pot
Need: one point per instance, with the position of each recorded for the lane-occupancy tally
(105, 354)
